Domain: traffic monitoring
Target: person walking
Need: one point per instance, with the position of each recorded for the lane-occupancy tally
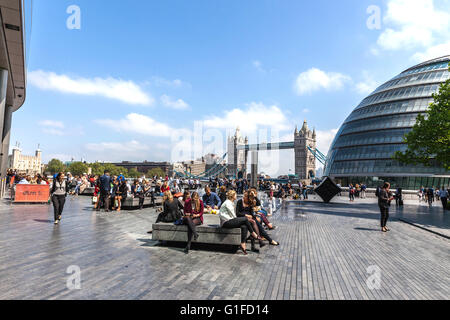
(443, 194)
(59, 191)
(384, 201)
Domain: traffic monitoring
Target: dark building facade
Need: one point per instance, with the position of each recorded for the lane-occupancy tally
(364, 145)
(144, 167)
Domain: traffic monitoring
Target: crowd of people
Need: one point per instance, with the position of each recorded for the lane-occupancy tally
(247, 213)
(429, 195)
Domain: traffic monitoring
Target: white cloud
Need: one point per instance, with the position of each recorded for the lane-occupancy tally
(51, 123)
(432, 52)
(128, 147)
(367, 86)
(414, 24)
(315, 79)
(306, 110)
(52, 127)
(258, 66)
(174, 104)
(161, 82)
(324, 139)
(256, 115)
(118, 89)
(138, 124)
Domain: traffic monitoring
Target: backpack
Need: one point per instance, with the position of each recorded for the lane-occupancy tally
(377, 192)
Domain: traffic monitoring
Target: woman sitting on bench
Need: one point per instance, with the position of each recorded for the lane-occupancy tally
(171, 209)
(244, 208)
(193, 216)
(259, 212)
(229, 220)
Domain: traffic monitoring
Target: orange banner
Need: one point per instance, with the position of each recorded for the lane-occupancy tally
(32, 193)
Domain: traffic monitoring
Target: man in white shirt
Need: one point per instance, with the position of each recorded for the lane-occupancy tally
(24, 180)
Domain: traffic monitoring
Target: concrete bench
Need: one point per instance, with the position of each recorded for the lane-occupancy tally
(210, 234)
(89, 191)
(134, 202)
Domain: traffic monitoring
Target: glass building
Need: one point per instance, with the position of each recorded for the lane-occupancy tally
(364, 145)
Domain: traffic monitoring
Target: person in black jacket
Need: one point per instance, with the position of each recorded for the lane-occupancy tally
(384, 201)
(105, 190)
(171, 209)
(59, 191)
(244, 208)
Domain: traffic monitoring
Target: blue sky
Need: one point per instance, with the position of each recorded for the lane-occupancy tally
(137, 75)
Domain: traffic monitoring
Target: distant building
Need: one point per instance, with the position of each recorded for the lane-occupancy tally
(25, 164)
(144, 167)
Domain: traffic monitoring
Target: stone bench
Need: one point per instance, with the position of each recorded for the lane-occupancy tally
(209, 234)
(89, 191)
(134, 202)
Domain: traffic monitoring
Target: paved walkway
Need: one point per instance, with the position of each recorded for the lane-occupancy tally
(420, 214)
(325, 254)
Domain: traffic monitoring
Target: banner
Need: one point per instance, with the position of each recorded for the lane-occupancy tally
(32, 193)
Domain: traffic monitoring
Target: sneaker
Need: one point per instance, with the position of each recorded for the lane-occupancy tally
(56, 221)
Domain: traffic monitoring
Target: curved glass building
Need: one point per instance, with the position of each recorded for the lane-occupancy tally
(364, 145)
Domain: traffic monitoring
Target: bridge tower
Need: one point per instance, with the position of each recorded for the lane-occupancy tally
(237, 159)
(305, 162)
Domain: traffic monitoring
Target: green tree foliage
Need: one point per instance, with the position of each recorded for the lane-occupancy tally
(156, 172)
(97, 168)
(429, 141)
(133, 173)
(78, 168)
(55, 166)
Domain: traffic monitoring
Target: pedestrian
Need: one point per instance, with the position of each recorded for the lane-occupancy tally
(384, 201)
(105, 190)
(443, 194)
(59, 191)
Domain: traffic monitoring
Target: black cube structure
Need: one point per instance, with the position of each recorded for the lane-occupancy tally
(327, 190)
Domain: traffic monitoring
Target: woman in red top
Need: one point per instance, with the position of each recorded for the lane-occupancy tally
(165, 187)
(193, 216)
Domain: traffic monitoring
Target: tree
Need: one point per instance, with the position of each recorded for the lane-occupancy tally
(55, 166)
(97, 168)
(429, 141)
(155, 172)
(78, 168)
(134, 173)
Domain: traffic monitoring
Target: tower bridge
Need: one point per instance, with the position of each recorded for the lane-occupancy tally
(304, 145)
(238, 149)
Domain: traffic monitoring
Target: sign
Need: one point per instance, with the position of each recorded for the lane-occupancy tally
(32, 193)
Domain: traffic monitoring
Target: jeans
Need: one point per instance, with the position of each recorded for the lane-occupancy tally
(240, 222)
(263, 232)
(105, 198)
(191, 223)
(444, 203)
(58, 204)
(384, 216)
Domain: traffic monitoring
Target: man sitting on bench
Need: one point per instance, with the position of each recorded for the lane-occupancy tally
(211, 200)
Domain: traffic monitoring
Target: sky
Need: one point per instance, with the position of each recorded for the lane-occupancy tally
(170, 80)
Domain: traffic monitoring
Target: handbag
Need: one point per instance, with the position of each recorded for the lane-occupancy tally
(94, 199)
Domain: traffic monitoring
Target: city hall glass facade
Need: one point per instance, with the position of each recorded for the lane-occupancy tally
(363, 147)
